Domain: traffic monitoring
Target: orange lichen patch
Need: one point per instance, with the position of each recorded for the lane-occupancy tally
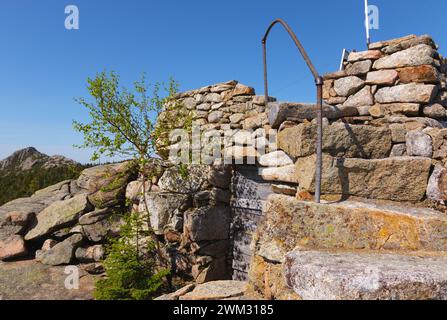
(397, 232)
(267, 281)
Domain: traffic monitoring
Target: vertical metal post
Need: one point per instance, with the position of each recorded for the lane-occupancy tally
(319, 164)
(368, 40)
(266, 87)
(319, 106)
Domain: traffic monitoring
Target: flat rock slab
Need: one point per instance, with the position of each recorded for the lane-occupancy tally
(341, 140)
(282, 111)
(396, 179)
(217, 290)
(318, 275)
(351, 225)
(31, 280)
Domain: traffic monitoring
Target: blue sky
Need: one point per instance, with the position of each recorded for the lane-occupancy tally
(43, 66)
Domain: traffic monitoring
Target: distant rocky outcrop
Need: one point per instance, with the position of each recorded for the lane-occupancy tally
(28, 170)
(29, 158)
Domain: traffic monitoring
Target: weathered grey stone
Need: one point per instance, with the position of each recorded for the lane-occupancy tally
(59, 215)
(414, 93)
(204, 107)
(364, 55)
(399, 178)
(189, 103)
(90, 254)
(382, 110)
(347, 86)
(207, 223)
(364, 276)
(237, 117)
(260, 100)
(395, 46)
(95, 216)
(162, 207)
(186, 181)
(103, 229)
(393, 42)
(280, 112)
(362, 98)
(435, 111)
(399, 150)
(217, 290)
(12, 247)
(213, 98)
(62, 253)
(419, 144)
(359, 68)
(217, 106)
(215, 116)
(275, 159)
(415, 56)
(435, 189)
(382, 77)
(255, 122)
(341, 140)
(283, 174)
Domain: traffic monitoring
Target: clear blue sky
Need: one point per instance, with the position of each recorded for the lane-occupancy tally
(43, 66)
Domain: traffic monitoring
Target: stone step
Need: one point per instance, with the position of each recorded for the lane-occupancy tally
(348, 225)
(317, 275)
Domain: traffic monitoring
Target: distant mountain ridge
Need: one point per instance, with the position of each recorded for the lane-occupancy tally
(28, 170)
(29, 158)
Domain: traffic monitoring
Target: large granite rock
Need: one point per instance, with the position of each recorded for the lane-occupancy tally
(103, 229)
(61, 253)
(59, 215)
(185, 180)
(413, 93)
(421, 74)
(318, 275)
(207, 223)
(419, 144)
(279, 112)
(341, 140)
(216, 290)
(12, 247)
(106, 185)
(436, 188)
(362, 98)
(347, 86)
(348, 225)
(382, 110)
(162, 207)
(382, 77)
(398, 178)
(414, 56)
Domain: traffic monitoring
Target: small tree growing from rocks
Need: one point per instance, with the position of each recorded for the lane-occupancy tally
(123, 125)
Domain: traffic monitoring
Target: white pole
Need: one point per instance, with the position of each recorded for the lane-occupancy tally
(367, 23)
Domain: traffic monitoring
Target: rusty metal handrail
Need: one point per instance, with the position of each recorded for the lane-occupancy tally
(319, 85)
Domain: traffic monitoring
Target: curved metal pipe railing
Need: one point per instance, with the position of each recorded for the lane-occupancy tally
(319, 85)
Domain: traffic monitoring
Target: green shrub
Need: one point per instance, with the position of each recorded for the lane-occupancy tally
(131, 271)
